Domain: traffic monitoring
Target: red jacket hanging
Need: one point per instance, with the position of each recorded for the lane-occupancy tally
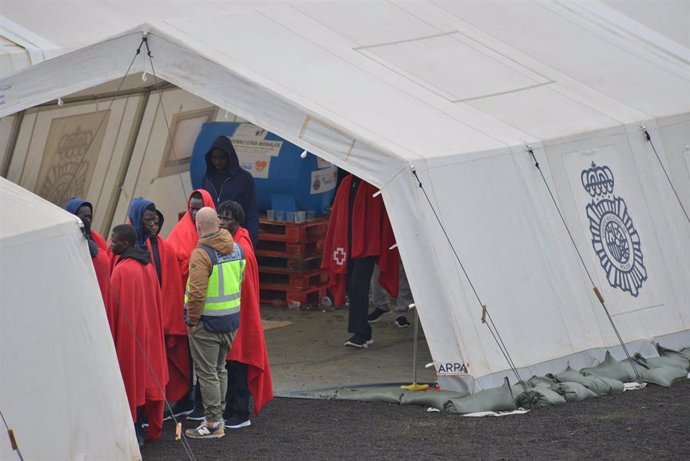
(371, 235)
(249, 345)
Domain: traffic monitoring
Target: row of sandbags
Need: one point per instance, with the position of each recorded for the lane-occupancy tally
(540, 391)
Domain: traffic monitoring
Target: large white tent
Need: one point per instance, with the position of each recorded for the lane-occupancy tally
(60, 385)
(456, 93)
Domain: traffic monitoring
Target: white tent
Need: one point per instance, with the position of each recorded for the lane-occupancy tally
(60, 385)
(456, 91)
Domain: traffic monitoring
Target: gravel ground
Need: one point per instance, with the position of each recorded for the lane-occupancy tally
(653, 423)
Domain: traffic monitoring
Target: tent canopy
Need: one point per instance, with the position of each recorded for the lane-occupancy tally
(453, 91)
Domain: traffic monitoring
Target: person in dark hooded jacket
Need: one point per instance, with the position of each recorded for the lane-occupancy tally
(226, 180)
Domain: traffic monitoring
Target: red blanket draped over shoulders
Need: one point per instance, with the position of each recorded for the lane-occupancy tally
(135, 310)
(372, 235)
(172, 298)
(183, 237)
(249, 345)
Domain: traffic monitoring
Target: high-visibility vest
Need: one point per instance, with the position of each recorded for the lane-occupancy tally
(224, 283)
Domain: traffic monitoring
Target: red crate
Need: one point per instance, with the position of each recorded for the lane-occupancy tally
(292, 298)
(284, 249)
(289, 265)
(293, 232)
(269, 279)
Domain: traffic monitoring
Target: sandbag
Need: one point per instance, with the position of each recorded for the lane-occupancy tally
(540, 397)
(600, 385)
(540, 381)
(680, 359)
(496, 399)
(613, 386)
(572, 391)
(685, 352)
(611, 368)
(664, 376)
(430, 398)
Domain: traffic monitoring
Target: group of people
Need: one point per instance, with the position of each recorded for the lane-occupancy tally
(188, 302)
(191, 302)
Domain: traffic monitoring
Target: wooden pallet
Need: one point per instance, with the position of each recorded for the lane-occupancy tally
(289, 265)
(292, 298)
(293, 232)
(269, 279)
(280, 249)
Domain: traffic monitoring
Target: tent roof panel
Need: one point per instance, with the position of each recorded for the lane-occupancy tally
(16, 201)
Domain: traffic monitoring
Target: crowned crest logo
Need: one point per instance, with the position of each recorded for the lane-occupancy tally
(614, 238)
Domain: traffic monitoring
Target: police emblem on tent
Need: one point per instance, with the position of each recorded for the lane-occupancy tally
(614, 238)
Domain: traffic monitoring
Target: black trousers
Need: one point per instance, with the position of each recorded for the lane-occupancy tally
(359, 273)
(237, 396)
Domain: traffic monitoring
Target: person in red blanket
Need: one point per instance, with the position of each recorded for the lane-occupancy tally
(249, 372)
(359, 237)
(183, 236)
(172, 294)
(97, 248)
(183, 239)
(134, 314)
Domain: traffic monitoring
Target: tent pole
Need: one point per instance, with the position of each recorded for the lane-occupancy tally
(414, 386)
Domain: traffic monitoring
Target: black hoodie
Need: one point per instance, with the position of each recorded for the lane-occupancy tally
(232, 184)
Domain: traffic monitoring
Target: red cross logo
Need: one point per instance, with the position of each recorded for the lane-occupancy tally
(339, 256)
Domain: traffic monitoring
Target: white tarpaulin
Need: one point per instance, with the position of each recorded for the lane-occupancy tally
(455, 91)
(60, 385)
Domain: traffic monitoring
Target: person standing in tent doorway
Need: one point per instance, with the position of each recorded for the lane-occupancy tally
(359, 236)
(247, 362)
(97, 247)
(226, 180)
(212, 304)
(135, 322)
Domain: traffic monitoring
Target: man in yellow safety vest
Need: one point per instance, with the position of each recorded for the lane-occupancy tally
(212, 305)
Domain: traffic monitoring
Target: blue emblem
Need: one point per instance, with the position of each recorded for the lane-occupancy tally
(614, 238)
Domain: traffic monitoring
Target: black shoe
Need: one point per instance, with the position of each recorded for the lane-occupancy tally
(180, 408)
(139, 431)
(197, 414)
(401, 322)
(376, 315)
(236, 422)
(358, 342)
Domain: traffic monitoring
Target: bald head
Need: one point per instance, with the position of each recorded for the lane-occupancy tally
(206, 221)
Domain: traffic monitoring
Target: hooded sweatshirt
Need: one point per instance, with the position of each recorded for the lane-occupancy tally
(232, 184)
(136, 214)
(73, 206)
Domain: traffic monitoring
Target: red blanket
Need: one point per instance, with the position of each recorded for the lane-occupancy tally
(183, 237)
(372, 235)
(249, 345)
(98, 238)
(101, 264)
(176, 344)
(134, 311)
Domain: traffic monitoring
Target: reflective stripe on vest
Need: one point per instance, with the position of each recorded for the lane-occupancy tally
(224, 283)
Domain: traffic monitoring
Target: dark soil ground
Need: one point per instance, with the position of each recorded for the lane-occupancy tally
(653, 423)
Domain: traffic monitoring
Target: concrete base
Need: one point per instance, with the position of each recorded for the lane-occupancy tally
(308, 358)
